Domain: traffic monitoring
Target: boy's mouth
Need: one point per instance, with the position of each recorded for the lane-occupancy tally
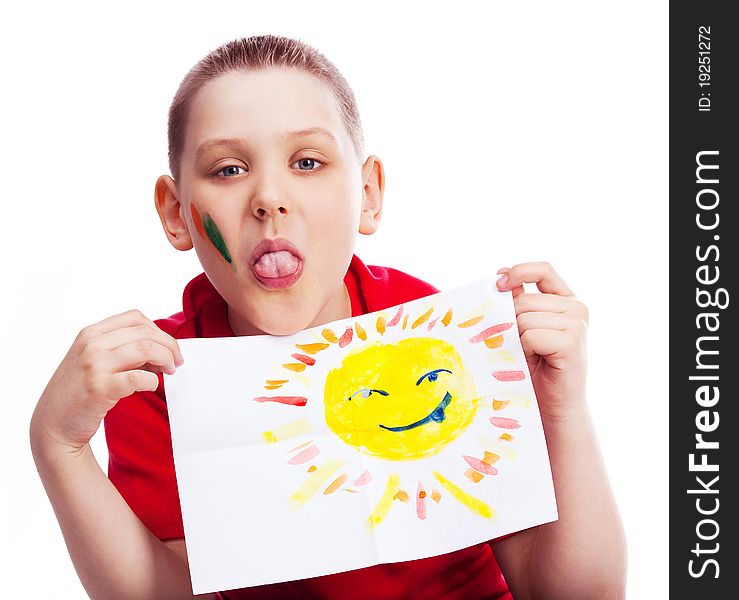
(276, 263)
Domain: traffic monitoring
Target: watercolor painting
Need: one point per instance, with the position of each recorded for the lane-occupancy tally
(395, 435)
(405, 400)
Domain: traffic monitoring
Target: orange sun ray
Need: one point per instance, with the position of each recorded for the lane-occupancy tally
(329, 336)
(312, 348)
(471, 322)
(381, 325)
(423, 318)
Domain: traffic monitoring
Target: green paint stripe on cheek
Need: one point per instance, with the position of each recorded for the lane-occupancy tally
(215, 236)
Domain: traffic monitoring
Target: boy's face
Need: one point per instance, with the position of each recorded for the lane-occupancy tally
(272, 217)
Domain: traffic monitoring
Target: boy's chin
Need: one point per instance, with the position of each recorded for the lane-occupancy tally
(278, 324)
(283, 329)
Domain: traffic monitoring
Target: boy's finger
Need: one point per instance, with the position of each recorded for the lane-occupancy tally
(124, 319)
(540, 273)
(551, 303)
(138, 380)
(125, 335)
(140, 352)
(553, 321)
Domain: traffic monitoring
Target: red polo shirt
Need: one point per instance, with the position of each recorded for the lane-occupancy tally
(142, 468)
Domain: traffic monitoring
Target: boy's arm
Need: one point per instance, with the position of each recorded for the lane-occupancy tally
(583, 553)
(114, 553)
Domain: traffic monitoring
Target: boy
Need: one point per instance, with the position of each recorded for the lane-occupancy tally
(270, 186)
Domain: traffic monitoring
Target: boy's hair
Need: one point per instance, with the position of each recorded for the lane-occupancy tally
(252, 54)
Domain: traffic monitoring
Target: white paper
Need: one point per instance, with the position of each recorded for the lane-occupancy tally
(250, 513)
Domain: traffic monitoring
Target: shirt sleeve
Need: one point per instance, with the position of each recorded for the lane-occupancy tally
(140, 462)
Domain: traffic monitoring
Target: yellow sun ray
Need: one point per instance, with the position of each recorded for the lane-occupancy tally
(382, 508)
(499, 356)
(473, 503)
(288, 430)
(512, 399)
(405, 321)
(361, 333)
(297, 367)
(479, 310)
(276, 381)
(314, 481)
(501, 446)
(447, 317)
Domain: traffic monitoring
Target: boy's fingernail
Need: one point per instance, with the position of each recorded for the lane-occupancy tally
(502, 281)
(503, 270)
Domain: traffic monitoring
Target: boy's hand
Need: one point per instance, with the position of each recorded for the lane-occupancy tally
(107, 361)
(553, 327)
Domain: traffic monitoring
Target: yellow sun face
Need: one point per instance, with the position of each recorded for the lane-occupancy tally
(400, 401)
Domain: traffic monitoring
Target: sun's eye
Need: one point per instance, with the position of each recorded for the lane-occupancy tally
(432, 375)
(367, 392)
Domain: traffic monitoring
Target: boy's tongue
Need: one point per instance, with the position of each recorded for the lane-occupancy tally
(276, 264)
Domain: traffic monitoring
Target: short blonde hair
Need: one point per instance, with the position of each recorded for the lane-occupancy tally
(252, 54)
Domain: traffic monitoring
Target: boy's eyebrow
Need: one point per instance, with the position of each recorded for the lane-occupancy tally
(288, 136)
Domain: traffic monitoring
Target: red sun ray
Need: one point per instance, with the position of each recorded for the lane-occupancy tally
(291, 400)
(304, 359)
(346, 338)
(396, 319)
(505, 423)
(304, 456)
(509, 375)
(490, 331)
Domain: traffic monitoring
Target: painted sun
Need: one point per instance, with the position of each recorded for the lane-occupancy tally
(408, 397)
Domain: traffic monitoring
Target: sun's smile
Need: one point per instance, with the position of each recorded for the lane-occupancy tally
(437, 416)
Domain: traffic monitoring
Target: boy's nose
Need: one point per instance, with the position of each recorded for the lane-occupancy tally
(266, 209)
(267, 201)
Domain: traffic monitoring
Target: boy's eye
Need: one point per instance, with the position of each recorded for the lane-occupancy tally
(307, 164)
(230, 170)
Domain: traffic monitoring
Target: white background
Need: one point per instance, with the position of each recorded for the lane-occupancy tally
(509, 132)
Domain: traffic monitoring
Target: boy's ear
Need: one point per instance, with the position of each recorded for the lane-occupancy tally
(373, 176)
(171, 213)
